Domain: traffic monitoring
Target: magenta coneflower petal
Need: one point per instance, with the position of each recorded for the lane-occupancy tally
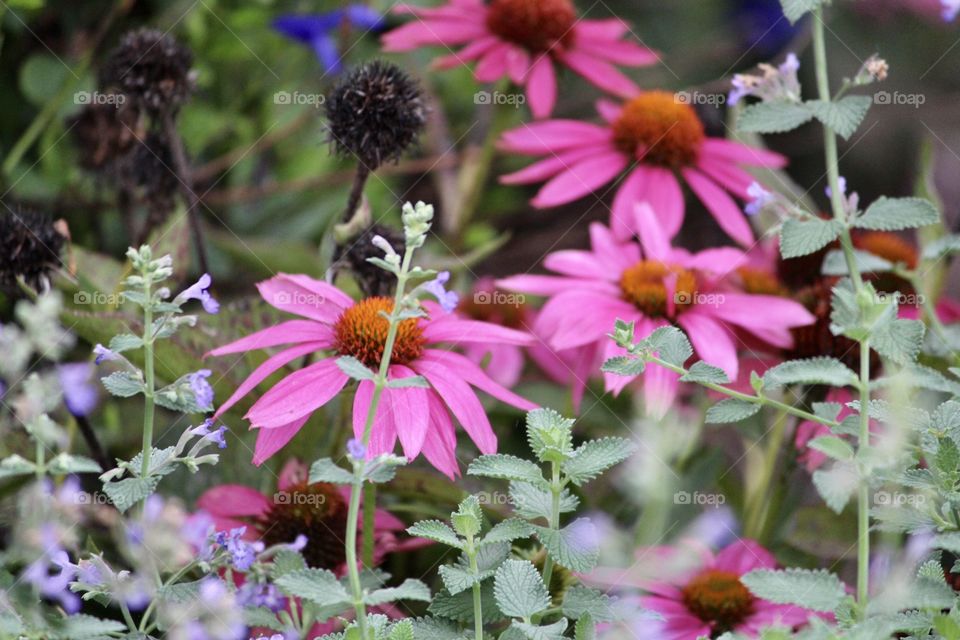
(613, 254)
(543, 285)
(268, 367)
(620, 52)
(743, 556)
(439, 448)
(732, 151)
(553, 136)
(660, 388)
(269, 441)
(549, 167)
(299, 394)
(605, 30)
(572, 262)
(304, 296)
(727, 213)
(600, 73)
(409, 410)
(655, 243)
(573, 327)
(289, 332)
(383, 432)
(474, 375)
(581, 179)
(608, 109)
(711, 341)
(518, 65)
(457, 330)
(542, 87)
(759, 311)
(718, 261)
(233, 501)
(494, 63)
(469, 53)
(660, 189)
(462, 402)
(729, 176)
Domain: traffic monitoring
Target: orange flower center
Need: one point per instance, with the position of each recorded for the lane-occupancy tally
(317, 511)
(361, 332)
(658, 129)
(719, 598)
(888, 246)
(760, 282)
(536, 25)
(645, 285)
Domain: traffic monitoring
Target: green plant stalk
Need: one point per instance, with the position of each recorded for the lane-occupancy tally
(757, 509)
(846, 241)
(556, 488)
(356, 489)
(471, 553)
(369, 522)
(148, 393)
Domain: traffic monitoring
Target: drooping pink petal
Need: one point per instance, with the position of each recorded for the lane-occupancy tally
(729, 176)
(472, 374)
(545, 285)
(726, 212)
(614, 255)
(653, 239)
(609, 110)
(383, 433)
(619, 52)
(581, 179)
(435, 31)
(298, 395)
(469, 53)
(719, 261)
(460, 399)
(600, 73)
(542, 87)
(289, 332)
(269, 441)
(656, 186)
(552, 136)
(574, 326)
(439, 448)
(505, 364)
(549, 167)
(758, 311)
(493, 64)
(743, 556)
(604, 30)
(518, 64)
(304, 296)
(458, 330)
(409, 410)
(711, 341)
(573, 262)
(233, 501)
(731, 151)
(267, 368)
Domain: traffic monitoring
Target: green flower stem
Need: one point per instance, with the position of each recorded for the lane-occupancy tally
(369, 522)
(846, 241)
(127, 618)
(356, 489)
(757, 507)
(556, 489)
(41, 456)
(471, 552)
(148, 392)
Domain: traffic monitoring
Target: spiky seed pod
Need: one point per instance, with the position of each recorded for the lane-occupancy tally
(147, 172)
(152, 69)
(30, 247)
(104, 133)
(375, 113)
(372, 280)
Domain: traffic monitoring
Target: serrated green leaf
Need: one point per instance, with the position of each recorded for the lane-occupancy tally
(899, 340)
(418, 382)
(506, 467)
(626, 366)
(64, 463)
(410, 589)
(519, 590)
(436, 531)
(703, 373)
(326, 470)
(402, 630)
(671, 345)
(532, 502)
(580, 601)
(843, 116)
(507, 531)
(942, 247)
(128, 492)
(553, 631)
(467, 519)
(731, 410)
(803, 237)
(457, 578)
(815, 590)
(16, 465)
(796, 9)
(575, 547)
(895, 214)
(833, 447)
(459, 607)
(836, 484)
(835, 263)
(810, 371)
(549, 434)
(316, 585)
(82, 626)
(125, 342)
(383, 468)
(594, 457)
(354, 369)
(434, 629)
(773, 117)
(122, 384)
(585, 629)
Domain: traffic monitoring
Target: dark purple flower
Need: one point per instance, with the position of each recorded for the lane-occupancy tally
(318, 30)
(79, 394)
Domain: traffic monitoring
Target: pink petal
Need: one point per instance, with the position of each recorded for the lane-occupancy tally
(619, 52)
(581, 179)
(544, 285)
(472, 374)
(233, 501)
(732, 151)
(267, 368)
(518, 64)
(729, 176)
(656, 186)
(614, 255)
(383, 433)
(298, 395)
(305, 297)
(409, 411)
(542, 87)
(726, 212)
(505, 364)
(550, 136)
(614, 383)
(472, 51)
(435, 31)
(573, 326)
(601, 73)
(288, 332)
(743, 556)
(653, 239)
(269, 441)
(757, 311)
(493, 64)
(549, 167)
(721, 260)
(572, 262)
(711, 341)
(457, 330)
(461, 400)
(609, 110)
(440, 447)
(609, 29)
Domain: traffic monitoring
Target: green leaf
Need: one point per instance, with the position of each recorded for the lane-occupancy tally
(545, 632)
(383, 468)
(942, 247)
(418, 382)
(125, 342)
(128, 492)
(436, 531)
(899, 340)
(895, 214)
(506, 467)
(585, 629)
(434, 629)
(671, 345)
(467, 519)
(354, 368)
(580, 601)
(64, 463)
(843, 116)
(316, 585)
(731, 410)
(835, 263)
(816, 590)
(773, 117)
(410, 589)
(703, 373)
(796, 9)
(836, 484)
(535, 501)
(550, 435)
(519, 590)
(507, 531)
(627, 366)
(822, 370)
(403, 630)
(457, 578)
(596, 456)
(326, 470)
(82, 626)
(16, 465)
(459, 607)
(803, 237)
(576, 546)
(832, 446)
(123, 384)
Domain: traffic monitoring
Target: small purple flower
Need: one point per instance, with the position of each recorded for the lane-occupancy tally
(299, 543)
(79, 395)
(213, 435)
(951, 8)
(201, 291)
(201, 388)
(760, 199)
(356, 449)
(242, 553)
(319, 30)
(55, 586)
(103, 353)
(447, 299)
(252, 594)
(843, 188)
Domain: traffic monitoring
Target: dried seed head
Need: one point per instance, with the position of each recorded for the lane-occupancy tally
(152, 69)
(30, 247)
(373, 280)
(104, 133)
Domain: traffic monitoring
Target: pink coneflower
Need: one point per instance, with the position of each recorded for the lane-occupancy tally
(523, 39)
(653, 284)
(709, 599)
(655, 139)
(337, 325)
